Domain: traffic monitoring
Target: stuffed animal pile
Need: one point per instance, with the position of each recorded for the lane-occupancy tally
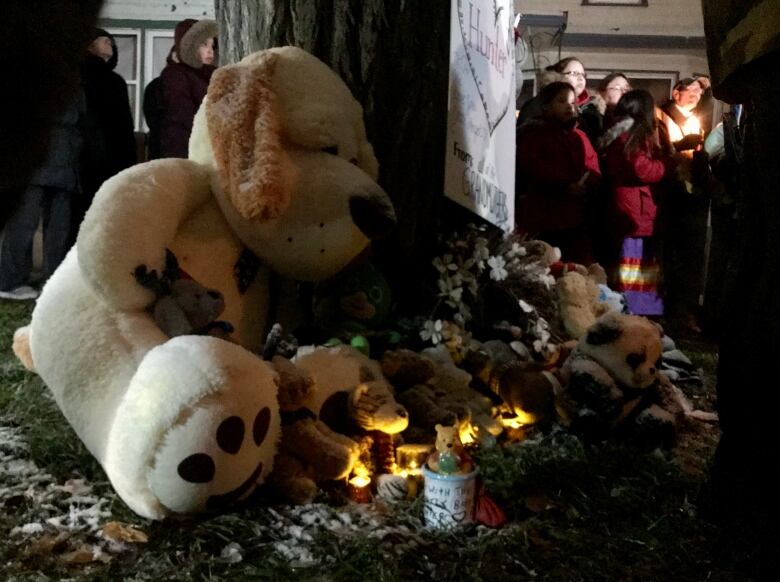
(280, 179)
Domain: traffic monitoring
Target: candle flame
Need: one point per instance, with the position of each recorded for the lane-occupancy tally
(692, 126)
(360, 481)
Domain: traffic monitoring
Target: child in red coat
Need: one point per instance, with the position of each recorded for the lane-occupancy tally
(633, 166)
(557, 170)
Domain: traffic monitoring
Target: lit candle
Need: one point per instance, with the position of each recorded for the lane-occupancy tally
(692, 126)
(358, 489)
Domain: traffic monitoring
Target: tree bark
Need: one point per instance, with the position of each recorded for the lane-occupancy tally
(394, 56)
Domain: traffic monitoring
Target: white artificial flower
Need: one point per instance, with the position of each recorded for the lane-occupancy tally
(525, 306)
(432, 330)
(517, 250)
(548, 280)
(497, 270)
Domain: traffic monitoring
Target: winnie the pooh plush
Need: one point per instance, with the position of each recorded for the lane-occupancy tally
(450, 456)
(280, 180)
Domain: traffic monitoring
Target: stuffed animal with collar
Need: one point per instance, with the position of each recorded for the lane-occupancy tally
(323, 426)
(278, 185)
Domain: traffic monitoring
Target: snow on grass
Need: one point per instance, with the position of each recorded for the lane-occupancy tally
(67, 507)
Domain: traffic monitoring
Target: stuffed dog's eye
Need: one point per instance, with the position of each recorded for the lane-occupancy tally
(635, 360)
(332, 150)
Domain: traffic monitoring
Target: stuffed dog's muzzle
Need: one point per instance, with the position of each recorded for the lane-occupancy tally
(372, 211)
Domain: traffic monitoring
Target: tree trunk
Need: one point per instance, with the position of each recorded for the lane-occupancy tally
(394, 56)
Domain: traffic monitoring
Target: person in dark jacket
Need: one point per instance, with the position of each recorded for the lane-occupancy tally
(154, 113)
(49, 195)
(557, 172)
(43, 47)
(633, 167)
(184, 83)
(110, 140)
(590, 108)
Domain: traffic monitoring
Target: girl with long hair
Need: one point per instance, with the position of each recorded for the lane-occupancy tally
(634, 165)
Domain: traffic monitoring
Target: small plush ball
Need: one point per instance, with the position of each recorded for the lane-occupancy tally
(360, 343)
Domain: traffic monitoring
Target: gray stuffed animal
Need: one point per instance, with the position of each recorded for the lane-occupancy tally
(182, 305)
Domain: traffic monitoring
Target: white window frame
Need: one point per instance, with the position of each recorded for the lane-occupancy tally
(136, 32)
(149, 35)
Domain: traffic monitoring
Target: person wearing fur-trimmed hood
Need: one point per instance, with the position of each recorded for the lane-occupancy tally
(184, 83)
(634, 166)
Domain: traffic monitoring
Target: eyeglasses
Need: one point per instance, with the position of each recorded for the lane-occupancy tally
(576, 74)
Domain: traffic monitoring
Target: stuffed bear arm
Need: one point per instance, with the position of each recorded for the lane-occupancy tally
(134, 217)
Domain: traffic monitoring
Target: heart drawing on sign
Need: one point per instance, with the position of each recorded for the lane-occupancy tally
(488, 39)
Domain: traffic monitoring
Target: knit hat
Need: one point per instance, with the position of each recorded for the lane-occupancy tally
(189, 35)
(98, 32)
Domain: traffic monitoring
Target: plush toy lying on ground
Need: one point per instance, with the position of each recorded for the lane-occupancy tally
(281, 178)
(349, 398)
(612, 383)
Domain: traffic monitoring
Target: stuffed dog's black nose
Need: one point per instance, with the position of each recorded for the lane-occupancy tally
(372, 212)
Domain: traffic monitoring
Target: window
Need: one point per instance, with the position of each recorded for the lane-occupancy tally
(157, 45)
(128, 44)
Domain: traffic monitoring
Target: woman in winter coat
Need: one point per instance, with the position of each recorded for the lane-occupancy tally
(612, 88)
(557, 172)
(184, 81)
(590, 108)
(634, 165)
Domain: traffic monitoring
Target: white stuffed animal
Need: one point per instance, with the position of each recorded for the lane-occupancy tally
(280, 166)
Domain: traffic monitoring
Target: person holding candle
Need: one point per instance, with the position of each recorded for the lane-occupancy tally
(682, 126)
(683, 213)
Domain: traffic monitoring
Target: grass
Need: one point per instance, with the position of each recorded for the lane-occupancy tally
(576, 512)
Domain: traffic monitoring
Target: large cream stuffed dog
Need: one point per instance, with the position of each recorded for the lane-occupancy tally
(280, 166)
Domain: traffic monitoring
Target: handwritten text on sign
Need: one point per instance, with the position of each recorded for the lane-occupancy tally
(480, 154)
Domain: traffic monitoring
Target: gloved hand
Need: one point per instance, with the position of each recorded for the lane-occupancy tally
(689, 142)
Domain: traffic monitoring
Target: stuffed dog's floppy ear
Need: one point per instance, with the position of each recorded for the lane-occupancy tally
(243, 123)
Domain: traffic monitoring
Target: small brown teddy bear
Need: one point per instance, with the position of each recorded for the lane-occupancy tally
(328, 397)
(612, 383)
(405, 368)
(310, 451)
(578, 303)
